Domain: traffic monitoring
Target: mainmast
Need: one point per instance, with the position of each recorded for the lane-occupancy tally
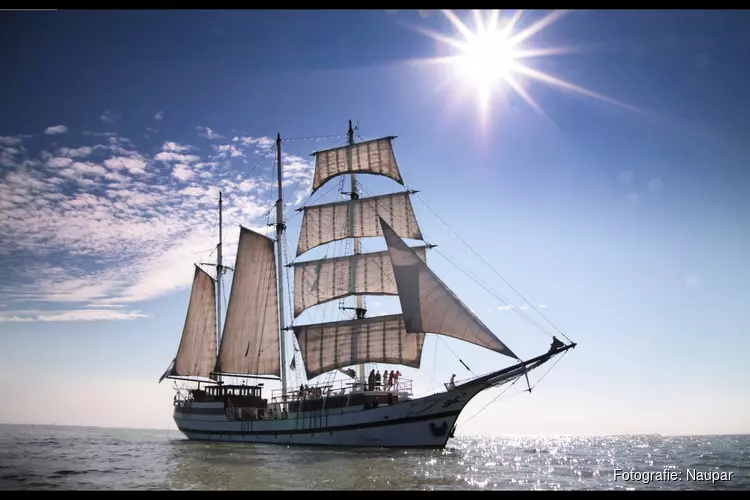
(219, 272)
(280, 226)
(360, 309)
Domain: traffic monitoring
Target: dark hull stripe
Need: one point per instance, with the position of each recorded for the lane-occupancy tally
(320, 430)
(204, 411)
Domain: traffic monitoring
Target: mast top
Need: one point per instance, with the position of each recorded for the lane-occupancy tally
(350, 133)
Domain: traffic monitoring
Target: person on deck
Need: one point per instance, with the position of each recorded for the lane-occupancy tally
(377, 380)
(301, 392)
(371, 381)
(395, 379)
(391, 379)
(452, 383)
(385, 380)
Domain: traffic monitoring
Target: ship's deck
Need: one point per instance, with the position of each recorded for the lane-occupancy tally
(245, 402)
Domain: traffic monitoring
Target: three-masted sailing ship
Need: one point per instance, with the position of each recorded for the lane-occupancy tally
(252, 341)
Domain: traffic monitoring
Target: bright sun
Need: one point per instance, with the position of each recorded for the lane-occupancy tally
(491, 58)
(486, 62)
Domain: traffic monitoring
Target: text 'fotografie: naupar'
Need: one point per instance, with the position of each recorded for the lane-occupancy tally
(672, 475)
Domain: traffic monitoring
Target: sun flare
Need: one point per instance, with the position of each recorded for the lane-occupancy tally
(493, 58)
(486, 62)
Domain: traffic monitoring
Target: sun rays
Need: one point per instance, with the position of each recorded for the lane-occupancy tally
(493, 57)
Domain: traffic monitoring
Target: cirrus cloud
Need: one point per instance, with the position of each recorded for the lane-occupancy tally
(97, 226)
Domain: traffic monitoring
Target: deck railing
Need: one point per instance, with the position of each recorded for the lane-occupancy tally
(340, 387)
(182, 398)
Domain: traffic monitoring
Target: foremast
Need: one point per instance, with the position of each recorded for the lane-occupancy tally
(360, 310)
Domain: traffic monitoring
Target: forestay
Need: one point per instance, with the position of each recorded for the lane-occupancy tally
(322, 280)
(250, 342)
(381, 339)
(428, 305)
(197, 351)
(369, 157)
(357, 218)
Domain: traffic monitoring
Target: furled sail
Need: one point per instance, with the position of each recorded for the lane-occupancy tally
(250, 342)
(369, 157)
(322, 280)
(357, 218)
(197, 351)
(381, 339)
(428, 305)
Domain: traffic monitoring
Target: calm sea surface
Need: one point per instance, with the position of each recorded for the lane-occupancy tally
(39, 457)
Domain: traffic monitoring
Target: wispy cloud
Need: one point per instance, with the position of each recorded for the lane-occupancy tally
(93, 228)
(159, 115)
(208, 133)
(109, 117)
(73, 315)
(510, 307)
(258, 141)
(57, 129)
(10, 141)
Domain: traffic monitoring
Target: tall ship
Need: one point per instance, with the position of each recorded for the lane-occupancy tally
(362, 408)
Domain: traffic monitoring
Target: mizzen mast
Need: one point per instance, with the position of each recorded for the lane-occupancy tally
(280, 226)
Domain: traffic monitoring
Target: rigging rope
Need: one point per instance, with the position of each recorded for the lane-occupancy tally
(263, 158)
(456, 355)
(226, 299)
(313, 137)
(285, 249)
(548, 370)
(511, 385)
(491, 268)
(396, 216)
(309, 200)
(489, 289)
(493, 400)
(209, 251)
(456, 263)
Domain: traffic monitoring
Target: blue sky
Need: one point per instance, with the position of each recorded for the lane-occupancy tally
(622, 210)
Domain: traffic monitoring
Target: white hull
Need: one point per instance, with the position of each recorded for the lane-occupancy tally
(423, 422)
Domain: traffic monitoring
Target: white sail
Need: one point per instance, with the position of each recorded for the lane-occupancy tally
(250, 342)
(428, 305)
(369, 157)
(322, 280)
(357, 218)
(197, 351)
(381, 339)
